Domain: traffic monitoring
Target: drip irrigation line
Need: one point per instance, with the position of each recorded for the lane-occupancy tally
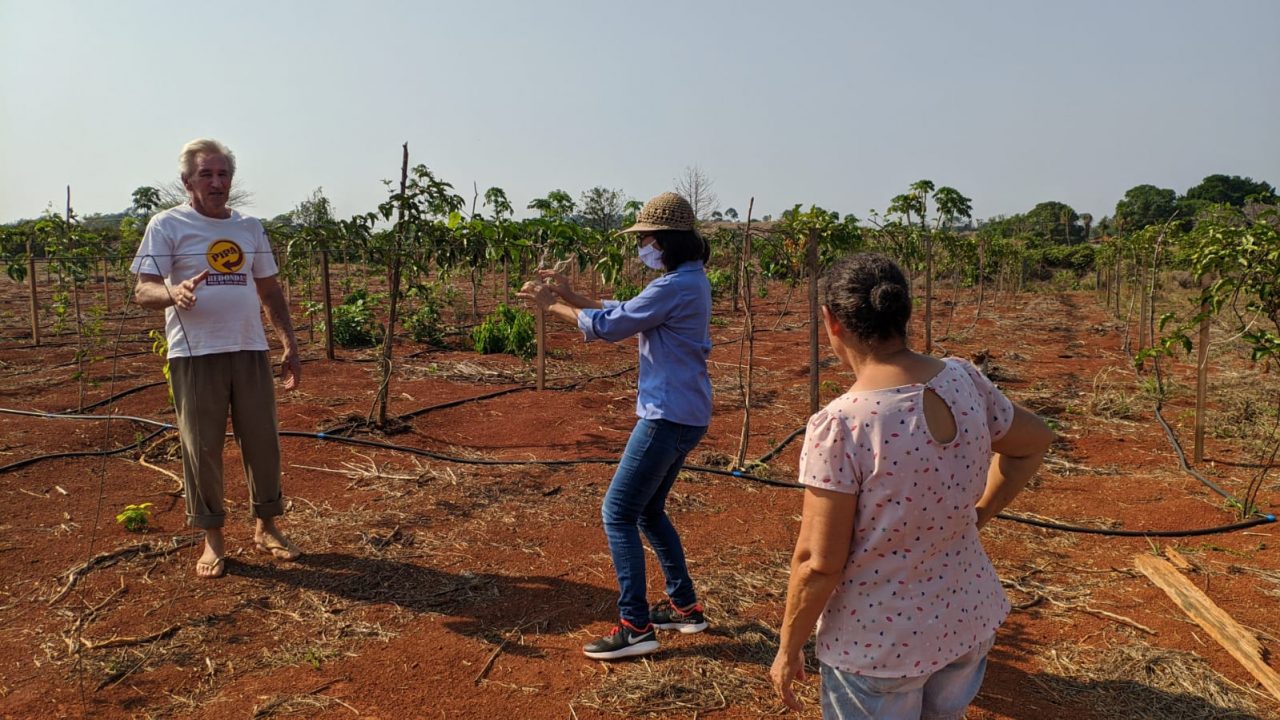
(351, 424)
(782, 445)
(501, 463)
(80, 453)
(122, 393)
(1243, 525)
(1177, 446)
(768, 481)
(443, 457)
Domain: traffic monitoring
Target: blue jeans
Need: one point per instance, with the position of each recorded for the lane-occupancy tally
(942, 695)
(636, 501)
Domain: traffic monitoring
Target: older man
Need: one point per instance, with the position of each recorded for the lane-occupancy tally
(210, 268)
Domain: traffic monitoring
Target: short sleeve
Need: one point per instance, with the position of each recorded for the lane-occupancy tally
(155, 252)
(826, 461)
(999, 409)
(264, 261)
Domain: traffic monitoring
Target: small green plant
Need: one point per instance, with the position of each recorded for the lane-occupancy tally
(623, 290)
(135, 518)
(721, 281)
(425, 325)
(160, 346)
(354, 325)
(506, 330)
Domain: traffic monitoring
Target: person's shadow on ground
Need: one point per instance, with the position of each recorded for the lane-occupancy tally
(479, 604)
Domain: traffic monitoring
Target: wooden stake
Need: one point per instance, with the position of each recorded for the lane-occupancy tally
(1202, 376)
(328, 304)
(31, 283)
(1242, 645)
(540, 318)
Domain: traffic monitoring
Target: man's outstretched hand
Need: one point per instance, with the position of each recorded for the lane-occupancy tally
(184, 294)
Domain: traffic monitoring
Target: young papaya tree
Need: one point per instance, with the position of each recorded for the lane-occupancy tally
(425, 210)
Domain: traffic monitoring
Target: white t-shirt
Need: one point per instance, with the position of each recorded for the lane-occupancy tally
(227, 317)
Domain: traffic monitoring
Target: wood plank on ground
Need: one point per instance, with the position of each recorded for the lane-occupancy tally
(1241, 643)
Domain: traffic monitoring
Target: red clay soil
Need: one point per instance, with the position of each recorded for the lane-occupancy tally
(435, 588)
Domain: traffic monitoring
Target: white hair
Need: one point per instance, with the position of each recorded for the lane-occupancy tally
(187, 158)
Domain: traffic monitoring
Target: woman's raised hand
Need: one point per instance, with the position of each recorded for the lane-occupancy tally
(557, 281)
(540, 294)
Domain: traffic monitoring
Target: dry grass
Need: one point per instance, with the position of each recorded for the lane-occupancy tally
(730, 670)
(660, 688)
(1115, 396)
(1142, 682)
(737, 582)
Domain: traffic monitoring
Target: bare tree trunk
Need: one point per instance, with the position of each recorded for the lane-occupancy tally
(786, 305)
(928, 295)
(746, 345)
(393, 291)
(75, 294)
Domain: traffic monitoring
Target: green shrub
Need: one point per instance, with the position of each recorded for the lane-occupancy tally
(721, 281)
(506, 330)
(623, 290)
(425, 324)
(353, 323)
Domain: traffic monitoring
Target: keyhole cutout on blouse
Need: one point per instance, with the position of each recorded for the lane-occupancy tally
(938, 418)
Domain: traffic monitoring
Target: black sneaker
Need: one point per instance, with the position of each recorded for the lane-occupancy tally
(626, 640)
(666, 616)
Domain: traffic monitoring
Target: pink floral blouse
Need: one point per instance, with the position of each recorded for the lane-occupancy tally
(918, 590)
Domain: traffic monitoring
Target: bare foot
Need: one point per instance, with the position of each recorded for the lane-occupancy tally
(211, 564)
(269, 539)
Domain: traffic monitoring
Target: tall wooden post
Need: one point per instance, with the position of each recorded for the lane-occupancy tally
(31, 283)
(540, 319)
(106, 284)
(812, 264)
(1202, 376)
(328, 304)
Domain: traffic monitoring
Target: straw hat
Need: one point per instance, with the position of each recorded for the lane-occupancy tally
(667, 211)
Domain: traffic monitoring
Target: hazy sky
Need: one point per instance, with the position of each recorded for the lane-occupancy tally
(841, 104)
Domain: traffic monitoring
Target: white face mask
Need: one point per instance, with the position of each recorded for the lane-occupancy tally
(651, 256)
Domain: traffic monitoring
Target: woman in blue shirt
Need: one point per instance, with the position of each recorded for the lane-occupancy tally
(672, 316)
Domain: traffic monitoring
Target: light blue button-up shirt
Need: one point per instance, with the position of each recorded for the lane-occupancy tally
(673, 318)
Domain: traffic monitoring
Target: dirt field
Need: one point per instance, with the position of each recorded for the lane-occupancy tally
(436, 588)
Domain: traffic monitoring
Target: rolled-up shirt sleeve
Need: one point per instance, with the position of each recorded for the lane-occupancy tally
(620, 320)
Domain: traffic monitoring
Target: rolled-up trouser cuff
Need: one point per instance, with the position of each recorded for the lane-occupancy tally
(270, 509)
(207, 522)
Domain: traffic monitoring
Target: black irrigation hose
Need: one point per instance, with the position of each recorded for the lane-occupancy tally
(1264, 519)
(782, 445)
(497, 463)
(1261, 520)
(80, 453)
(1177, 446)
(486, 396)
(122, 393)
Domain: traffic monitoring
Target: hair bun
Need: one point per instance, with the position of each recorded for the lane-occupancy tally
(887, 296)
